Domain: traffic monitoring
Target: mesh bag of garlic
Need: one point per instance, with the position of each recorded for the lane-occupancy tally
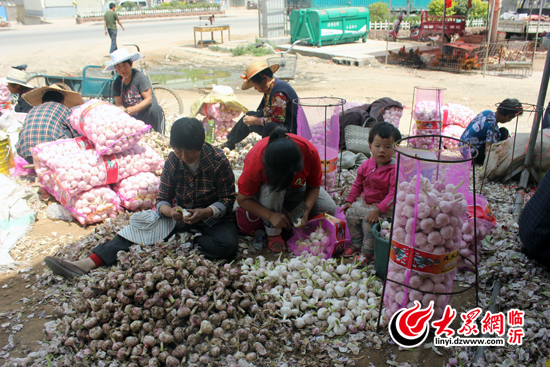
(46, 153)
(223, 117)
(138, 192)
(393, 115)
(80, 171)
(455, 120)
(107, 126)
(220, 105)
(428, 114)
(430, 211)
(94, 206)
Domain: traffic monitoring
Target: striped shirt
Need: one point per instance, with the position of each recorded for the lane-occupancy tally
(46, 122)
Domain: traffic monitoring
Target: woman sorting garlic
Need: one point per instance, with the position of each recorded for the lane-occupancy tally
(197, 193)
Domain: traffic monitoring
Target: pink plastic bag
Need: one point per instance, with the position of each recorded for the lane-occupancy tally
(323, 246)
(18, 169)
(329, 236)
(138, 192)
(108, 127)
(94, 206)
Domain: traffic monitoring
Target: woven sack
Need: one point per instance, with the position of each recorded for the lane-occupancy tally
(357, 137)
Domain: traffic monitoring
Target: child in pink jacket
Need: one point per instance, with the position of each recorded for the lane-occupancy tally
(375, 183)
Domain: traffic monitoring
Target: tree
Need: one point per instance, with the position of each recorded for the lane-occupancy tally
(378, 12)
(478, 10)
(129, 5)
(436, 8)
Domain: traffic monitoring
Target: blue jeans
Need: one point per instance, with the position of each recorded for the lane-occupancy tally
(112, 34)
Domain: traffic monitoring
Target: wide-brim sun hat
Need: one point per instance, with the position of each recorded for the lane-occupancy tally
(121, 55)
(34, 97)
(147, 228)
(16, 76)
(254, 69)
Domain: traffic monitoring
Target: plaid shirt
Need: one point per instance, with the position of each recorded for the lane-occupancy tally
(44, 123)
(214, 182)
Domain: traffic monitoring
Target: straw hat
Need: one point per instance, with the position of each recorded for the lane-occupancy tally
(122, 55)
(34, 97)
(147, 228)
(254, 69)
(16, 76)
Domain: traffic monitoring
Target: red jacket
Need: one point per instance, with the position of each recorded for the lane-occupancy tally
(376, 184)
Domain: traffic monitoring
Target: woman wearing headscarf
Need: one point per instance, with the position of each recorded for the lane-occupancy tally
(277, 107)
(133, 90)
(279, 173)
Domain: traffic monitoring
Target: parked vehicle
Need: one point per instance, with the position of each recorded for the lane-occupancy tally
(431, 27)
(252, 4)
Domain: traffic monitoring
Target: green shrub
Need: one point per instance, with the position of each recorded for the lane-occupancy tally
(378, 12)
(250, 49)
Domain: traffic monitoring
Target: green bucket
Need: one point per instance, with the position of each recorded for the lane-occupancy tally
(381, 250)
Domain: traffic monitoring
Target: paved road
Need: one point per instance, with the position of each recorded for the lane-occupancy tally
(27, 39)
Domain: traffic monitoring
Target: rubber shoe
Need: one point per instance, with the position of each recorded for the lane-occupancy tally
(350, 252)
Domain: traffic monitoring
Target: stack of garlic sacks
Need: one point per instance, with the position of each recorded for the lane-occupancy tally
(78, 172)
(428, 116)
(431, 224)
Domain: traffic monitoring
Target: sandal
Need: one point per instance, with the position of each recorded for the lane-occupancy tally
(350, 252)
(271, 240)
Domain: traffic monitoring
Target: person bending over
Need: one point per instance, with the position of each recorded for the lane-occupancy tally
(196, 177)
(48, 120)
(483, 130)
(277, 107)
(279, 173)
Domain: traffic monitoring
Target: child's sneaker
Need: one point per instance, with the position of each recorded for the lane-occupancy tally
(350, 251)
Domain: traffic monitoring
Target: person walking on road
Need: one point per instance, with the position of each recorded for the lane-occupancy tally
(111, 18)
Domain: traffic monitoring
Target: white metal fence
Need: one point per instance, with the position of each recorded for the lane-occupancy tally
(272, 18)
(407, 25)
(92, 14)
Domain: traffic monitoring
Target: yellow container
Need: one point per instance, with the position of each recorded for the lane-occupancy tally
(6, 157)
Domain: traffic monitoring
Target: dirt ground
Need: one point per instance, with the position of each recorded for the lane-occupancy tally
(21, 304)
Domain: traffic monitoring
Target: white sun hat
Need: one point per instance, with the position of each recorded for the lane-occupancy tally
(122, 55)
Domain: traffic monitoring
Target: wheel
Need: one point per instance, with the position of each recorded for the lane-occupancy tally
(168, 100)
(37, 80)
